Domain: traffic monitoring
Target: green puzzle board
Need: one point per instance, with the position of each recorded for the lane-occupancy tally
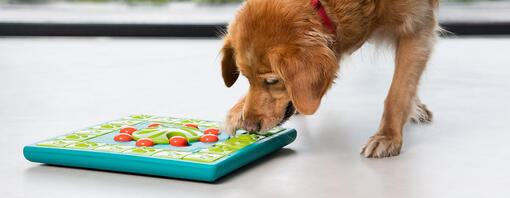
(95, 148)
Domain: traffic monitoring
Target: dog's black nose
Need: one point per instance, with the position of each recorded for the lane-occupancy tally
(252, 125)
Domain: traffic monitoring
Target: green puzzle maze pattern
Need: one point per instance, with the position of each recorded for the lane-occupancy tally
(160, 134)
(78, 140)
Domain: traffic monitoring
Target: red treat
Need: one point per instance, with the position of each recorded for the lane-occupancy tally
(209, 138)
(154, 125)
(129, 130)
(178, 141)
(212, 131)
(144, 142)
(191, 125)
(123, 137)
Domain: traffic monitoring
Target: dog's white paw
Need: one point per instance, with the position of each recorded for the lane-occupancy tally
(420, 113)
(233, 121)
(231, 124)
(379, 146)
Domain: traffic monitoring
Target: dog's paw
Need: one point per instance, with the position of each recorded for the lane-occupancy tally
(229, 130)
(379, 146)
(421, 114)
(234, 118)
(232, 123)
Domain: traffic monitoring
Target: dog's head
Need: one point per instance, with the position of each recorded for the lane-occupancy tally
(280, 49)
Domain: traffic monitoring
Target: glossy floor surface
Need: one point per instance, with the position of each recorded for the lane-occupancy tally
(49, 86)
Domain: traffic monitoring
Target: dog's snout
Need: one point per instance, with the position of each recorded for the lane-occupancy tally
(251, 124)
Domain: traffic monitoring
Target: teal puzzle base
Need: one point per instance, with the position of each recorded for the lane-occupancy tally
(94, 148)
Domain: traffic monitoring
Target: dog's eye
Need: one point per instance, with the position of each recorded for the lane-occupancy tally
(271, 81)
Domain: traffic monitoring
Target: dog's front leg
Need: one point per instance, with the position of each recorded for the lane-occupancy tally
(412, 54)
(234, 118)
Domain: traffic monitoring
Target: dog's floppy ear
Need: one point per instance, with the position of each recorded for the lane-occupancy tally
(307, 73)
(228, 64)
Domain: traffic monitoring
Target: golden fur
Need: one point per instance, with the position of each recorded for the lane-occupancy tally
(290, 60)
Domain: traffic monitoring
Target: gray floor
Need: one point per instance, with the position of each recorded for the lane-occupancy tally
(49, 86)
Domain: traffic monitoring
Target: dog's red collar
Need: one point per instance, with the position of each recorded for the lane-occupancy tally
(325, 19)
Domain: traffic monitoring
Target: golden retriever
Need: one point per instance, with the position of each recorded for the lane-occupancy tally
(290, 56)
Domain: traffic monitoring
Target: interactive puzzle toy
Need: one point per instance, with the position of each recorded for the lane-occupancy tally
(156, 145)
